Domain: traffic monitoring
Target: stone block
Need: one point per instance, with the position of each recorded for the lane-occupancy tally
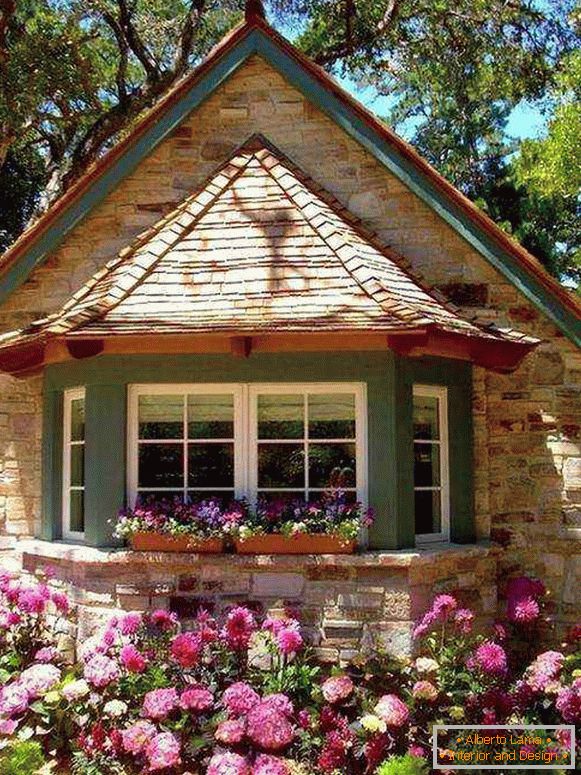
(278, 585)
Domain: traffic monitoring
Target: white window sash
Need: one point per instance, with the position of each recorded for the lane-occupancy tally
(73, 394)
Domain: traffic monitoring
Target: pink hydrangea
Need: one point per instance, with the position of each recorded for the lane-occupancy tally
(281, 703)
(228, 764)
(239, 628)
(130, 622)
(197, 698)
(269, 729)
(186, 649)
(163, 752)
(132, 659)
(425, 690)
(337, 689)
(544, 670)
(392, 710)
(46, 654)
(136, 737)
(101, 671)
(240, 698)
(490, 658)
(568, 703)
(8, 726)
(159, 703)
(269, 765)
(39, 679)
(230, 732)
(14, 699)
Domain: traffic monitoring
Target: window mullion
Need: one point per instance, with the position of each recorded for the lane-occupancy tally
(306, 441)
(185, 435)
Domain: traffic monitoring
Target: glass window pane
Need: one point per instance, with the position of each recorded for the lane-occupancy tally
(211, 416)
(332, 465)
(426, 465)
(316, 495)
(281, 417)
(426, 420)
(281, 497)
(332, 416)
(161, 417)
(281, 465)
(211, 465)
(428, 512)
(145, 497)
(161, 465)
(78, 419)
(224, 496)
(77, 452)
(77, 511)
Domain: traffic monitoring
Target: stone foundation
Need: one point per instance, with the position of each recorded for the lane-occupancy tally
(346, 603)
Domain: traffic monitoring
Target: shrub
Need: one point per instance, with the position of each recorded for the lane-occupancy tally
(22, 757)
(403, 765)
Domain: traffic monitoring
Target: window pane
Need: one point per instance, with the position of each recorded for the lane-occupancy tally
(161, 417)
(211, 416)
(77, 452)
(281, 497)
(281, 417)
(211, 465)
(224, 496)
(426, 421)
(161, 465)
(316, 495)
(332, 465)
(168, 496)
(428, 512)
(78, 419)
(77, 511)
(332, 416)
(281, 465)
(426, 465)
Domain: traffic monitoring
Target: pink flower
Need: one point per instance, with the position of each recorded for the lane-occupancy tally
(392, 710)
(230, 732)
(186, 649)
(269, 765)
(159, 703)
(304, 719)
(289, 639)
(101, 670)
(228, 764)
(463, 619)
(416, 750)
(47, 654)
(269, 729)
(240, 698)
(239, 628)
(568, 703)
(279, 702)
(442, 607)
(39, 679)
(130, 623)
(163, 752)
(61, 602)
(14, 699)
(32, 600)
(8, 726)
(444, 604)
(136, 737)
(526, 611)
(197, 698)
(544, 670)
(490, 658)
(425, 690)
(132, 659)
(9, 618)
(522, 595)
(163, 620)
(337, 689)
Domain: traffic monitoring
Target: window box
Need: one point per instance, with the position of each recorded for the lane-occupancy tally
(302, 543)
(158, 542)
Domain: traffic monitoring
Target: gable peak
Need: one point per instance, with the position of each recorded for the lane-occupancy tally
(254, 10)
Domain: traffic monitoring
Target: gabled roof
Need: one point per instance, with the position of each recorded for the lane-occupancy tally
(256, 37)
(260, 248)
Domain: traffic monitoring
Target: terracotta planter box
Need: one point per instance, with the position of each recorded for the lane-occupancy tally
(301, 544)
(157, 542)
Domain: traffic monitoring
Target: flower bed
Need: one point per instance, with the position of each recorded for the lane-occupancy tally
(241, 695)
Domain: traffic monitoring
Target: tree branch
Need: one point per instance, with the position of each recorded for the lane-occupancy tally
(135, 43)
(191, 23)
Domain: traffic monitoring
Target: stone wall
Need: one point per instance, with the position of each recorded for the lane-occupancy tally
(528, 437)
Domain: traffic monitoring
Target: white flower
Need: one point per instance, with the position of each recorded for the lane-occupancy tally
(373, 723)
(75, 690)
(245, 532)
(115, 708)
(426, 665)
(299, 527)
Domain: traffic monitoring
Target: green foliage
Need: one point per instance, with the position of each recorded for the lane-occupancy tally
(22, 177)
(403, 765)
(22, 757)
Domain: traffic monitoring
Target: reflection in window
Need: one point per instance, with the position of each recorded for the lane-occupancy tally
(74, 464)
(430, 461)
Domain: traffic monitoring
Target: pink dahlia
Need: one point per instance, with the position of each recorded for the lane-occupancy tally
(60, 602)
(132, 659)
(522, 599)
(392, 710)
(14, 699)
(228, 764)
(490, 658)
(568, 703)
(337, 689)
(240, 698)
(239, 628)
(101, 670)
(196, 698)
(269, 765)
(159, 703)
(289, 639)
(39, 679)
(136, 737)
(463, 619)
(186, 649)
(130, 622)
(163, 620)
(32, 600)
(544, 670)
(163, 752)
(425, 690)
(444, 604)
(269, 729)
(279, 702)
(230, 732)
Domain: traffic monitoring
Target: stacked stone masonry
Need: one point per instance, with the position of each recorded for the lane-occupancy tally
(527, 424)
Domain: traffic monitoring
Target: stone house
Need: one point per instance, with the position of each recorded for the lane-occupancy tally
(261, 245)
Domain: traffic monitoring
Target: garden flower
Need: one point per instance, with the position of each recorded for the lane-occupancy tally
(132, 659)
(8, 726)
(47, 654)
(14, 699)
(239, 628)
(130, 623)
(416, 750)
(39, 679)
(163, 751)
(9, 618)
(159, 703)
(228, 764)
(490, 658)
(281, 703)
(75, 690)
(425, 690)
(333, 756)
(163, 620)
(392, 710)
(372, 723)
(101, 670)
(186, 649)
(60, 601)
(304, 719)
(544, 670)
(196, 698)
(426, 665)
(289, 639)
(568, 702)
(240, 698)
(526, 611)
(269, 765)
(137, 736)
(337, 689)
(230, 732)
(463, 619)
(115, 708)
(522, 594)
(269, 729)
(32, 600)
